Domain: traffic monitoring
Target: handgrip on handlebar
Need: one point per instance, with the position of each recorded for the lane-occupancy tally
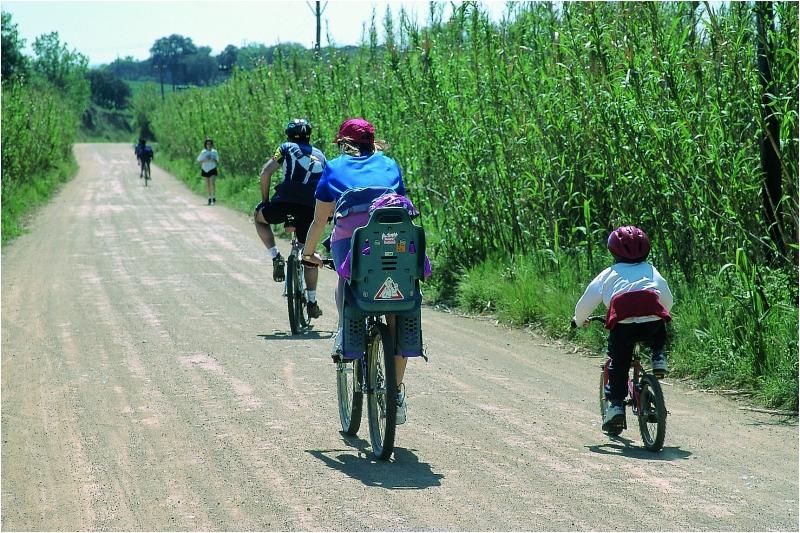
(595, 318)
(326, 263)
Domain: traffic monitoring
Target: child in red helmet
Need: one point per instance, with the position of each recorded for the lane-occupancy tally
(638, 301)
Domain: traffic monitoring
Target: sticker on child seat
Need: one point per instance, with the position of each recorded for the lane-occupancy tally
(401, 247)
(389, 291)
(389, 238)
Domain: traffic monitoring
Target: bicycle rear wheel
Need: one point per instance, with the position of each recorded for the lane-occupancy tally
(382, 391)
(604, 403)
(348, 392)
(652, 413)
(293, 294)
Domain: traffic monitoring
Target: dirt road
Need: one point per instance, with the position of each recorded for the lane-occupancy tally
(149, 383)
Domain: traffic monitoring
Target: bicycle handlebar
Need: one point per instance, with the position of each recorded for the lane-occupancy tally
(326, 263)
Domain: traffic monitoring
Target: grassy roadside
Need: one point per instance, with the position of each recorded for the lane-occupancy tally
(20, 201)
(719, 336)
(241, 193)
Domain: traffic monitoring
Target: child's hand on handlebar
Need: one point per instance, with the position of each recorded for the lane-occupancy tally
(574, 323)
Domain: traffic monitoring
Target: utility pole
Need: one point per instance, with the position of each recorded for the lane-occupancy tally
(318, 14)
(770, 137)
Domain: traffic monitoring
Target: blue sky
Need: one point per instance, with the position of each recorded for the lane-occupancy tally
(105, 30)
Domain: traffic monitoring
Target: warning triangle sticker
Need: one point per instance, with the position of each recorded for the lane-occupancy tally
(389, 291)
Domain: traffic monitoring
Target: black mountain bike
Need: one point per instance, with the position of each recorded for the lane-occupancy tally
(145, 173)
(296, 299)
(375, 376)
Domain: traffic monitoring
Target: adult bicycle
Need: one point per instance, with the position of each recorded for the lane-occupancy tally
(645, 398)
(295, 284)
(381, 319)
(145, 171)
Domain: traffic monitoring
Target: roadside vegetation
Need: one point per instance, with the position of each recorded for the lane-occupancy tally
(525, 142)
(43, 98)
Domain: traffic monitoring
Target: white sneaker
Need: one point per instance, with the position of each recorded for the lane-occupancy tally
(615, 416)
(402, 407)
(660, 366)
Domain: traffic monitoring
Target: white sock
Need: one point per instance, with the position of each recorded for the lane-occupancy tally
(312, 296)
(273, 252)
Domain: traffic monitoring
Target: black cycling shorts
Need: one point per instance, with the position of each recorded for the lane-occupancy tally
(277, 212)
(210, 174)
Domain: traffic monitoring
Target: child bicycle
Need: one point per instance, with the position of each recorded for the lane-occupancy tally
(387, 262)
(644, 396)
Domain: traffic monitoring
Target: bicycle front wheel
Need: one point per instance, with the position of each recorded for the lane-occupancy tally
(382, 391)
(652, 413)
(348, 392)
(294, 292)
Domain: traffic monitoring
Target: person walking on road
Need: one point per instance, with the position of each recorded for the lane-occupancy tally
(209, 159)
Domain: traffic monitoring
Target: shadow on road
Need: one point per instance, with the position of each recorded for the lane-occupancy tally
(403, 472)
(306, 335)
(626, 448)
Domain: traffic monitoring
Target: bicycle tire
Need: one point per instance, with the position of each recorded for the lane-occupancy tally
(604, 403)
(382, 391)
(652, 413)
(292, 301)
(300, 287)
(348, 392)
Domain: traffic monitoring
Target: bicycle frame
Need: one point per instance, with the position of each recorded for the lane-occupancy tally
(633, 381)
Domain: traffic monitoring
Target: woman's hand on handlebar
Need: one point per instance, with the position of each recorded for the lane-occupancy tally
(314, 260)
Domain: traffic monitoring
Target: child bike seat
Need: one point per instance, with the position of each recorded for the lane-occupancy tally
(388, 260)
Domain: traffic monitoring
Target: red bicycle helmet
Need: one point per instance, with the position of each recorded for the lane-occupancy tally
(357, 129)
(629, 243)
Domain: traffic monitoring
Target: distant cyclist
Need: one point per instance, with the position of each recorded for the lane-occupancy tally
(638, 301)
(144, 154)
(301, 167)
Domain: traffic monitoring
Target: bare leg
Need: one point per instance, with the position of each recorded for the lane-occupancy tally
(311, 275)
(208, 186)
(264, 231)
(399, 360)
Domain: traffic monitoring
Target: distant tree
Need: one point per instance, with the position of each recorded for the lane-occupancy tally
(13, 63)
(131, 69)
(108, 90)
(228, 58)
(169, 53)
(64, 68)
(200, 67)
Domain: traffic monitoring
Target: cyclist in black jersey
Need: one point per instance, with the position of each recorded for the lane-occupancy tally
(301, 167)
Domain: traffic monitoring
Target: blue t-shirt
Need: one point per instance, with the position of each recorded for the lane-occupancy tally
(302, 167)
(348, 172)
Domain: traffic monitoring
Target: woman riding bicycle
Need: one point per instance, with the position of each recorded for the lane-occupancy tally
(638, 301)
(360, 165)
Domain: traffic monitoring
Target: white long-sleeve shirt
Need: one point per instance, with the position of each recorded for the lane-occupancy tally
(623, 277)
(209, 159)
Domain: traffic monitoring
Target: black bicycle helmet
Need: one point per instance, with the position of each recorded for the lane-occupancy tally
(298, 129)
